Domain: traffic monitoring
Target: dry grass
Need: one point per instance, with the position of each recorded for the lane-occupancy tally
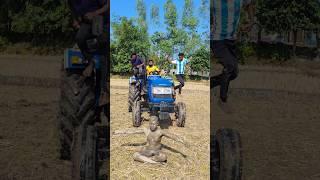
(183, 163)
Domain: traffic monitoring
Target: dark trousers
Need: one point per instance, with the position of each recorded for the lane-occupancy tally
(84, 33)
(140, 73)
(224, 51)
(180, 78)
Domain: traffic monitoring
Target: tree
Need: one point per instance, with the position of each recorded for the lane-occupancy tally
(142, 14)
(189, 21)
(170, 17)
(155, 14)
(127, 38)
(200, 59)
(285, 16)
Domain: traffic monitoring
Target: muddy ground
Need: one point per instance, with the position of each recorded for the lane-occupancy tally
(276, 110)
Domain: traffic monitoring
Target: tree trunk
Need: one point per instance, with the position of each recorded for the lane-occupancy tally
(295, 32)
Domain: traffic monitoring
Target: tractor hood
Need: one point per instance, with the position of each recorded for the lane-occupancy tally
(160, 81)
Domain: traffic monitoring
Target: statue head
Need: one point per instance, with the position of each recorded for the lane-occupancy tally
(153, 123)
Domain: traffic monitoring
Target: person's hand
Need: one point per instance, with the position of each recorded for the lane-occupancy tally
(90, 15)
(76, 24)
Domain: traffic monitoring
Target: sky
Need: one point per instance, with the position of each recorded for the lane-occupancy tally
(127, 8)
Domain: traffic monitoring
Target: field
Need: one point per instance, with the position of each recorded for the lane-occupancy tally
(277, 112)
(188, 163)
(28, 109)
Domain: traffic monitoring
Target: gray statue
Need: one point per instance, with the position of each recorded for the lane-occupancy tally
(151, 153)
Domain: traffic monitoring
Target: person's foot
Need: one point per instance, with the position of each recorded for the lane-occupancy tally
(225, 106)
(103, 98)
(180, 90)
(88, 70)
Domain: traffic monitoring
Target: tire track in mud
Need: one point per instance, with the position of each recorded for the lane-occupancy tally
(30, 81)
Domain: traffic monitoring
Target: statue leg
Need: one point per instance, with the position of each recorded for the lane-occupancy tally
(141, 158)
(161, 157)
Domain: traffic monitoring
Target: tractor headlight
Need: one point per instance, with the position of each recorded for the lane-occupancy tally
(161, 90)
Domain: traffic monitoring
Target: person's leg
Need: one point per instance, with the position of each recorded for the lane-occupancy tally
(181, 82)
(161, 157)
(217, 47)
(234, 74)
(141, 158)
(177, 86)
(227, 59)
(84, 33)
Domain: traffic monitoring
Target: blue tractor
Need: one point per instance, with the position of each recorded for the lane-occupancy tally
(159, 100)
(83, 123)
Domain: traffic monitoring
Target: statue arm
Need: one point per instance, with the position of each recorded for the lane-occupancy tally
(174, 137)
(129, 131)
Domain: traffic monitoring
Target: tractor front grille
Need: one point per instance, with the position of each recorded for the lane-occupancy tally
(162, 96)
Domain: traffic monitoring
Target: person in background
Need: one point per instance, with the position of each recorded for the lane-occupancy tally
(180, 63)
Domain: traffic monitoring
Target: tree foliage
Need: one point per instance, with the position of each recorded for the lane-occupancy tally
(155, 14)
(180, 36)
(285, 16)
(127, 39)
(40, 22)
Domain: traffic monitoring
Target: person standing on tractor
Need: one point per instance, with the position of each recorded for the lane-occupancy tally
(83, 13)
(138, 69)
(226, 17)
(152, 68)
(180, 68)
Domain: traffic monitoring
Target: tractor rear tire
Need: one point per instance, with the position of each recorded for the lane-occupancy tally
(134, 95)
(77, 113)
(136, 114)
(180, 113)
(227, 160)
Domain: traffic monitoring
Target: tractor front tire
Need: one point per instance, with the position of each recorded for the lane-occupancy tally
(180, 113)
(136, 114)
(227, 160)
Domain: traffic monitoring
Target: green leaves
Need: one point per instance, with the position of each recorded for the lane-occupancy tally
(40, 21)
(128, 38)
(287, 15)
(155, 14)
(180, 35)
(189, 21)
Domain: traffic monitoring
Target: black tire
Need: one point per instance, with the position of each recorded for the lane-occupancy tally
(133, 96)
(136, 114)
(227, 160)
(77, 111)
(180, 113)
